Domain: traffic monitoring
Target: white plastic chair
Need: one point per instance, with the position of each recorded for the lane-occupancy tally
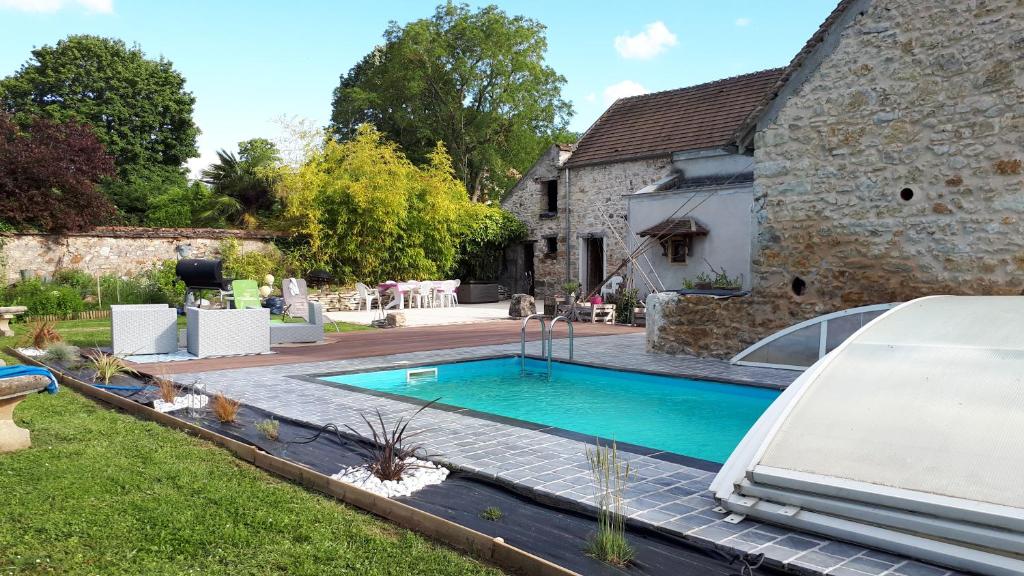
(422, 295)
(367, 295)
(447, 293)
(611, 286)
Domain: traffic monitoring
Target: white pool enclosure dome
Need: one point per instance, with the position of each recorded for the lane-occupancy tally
(908, 437)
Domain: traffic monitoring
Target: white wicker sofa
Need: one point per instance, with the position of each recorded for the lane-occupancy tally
(227, 332)
(143, 329)
(294, 332)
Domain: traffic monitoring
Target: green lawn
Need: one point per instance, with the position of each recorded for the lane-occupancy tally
(103, 493)
(97, 333)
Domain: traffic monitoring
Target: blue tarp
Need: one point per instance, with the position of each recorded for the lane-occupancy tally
(23, 370)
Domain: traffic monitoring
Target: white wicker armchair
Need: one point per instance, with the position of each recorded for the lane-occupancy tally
(143, 329)
(295, 332)
(227, 332)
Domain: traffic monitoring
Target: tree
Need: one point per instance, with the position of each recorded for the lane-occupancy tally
(138, 106)
(49, 174)
(248, 179)
(475, 81)
(366, 213)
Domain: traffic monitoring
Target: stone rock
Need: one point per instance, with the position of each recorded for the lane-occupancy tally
(394, 320)
(522, 305)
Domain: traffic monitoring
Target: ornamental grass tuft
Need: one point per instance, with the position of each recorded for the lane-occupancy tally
(611, 474)
(106, 366)
(388, 452)
(224, 409)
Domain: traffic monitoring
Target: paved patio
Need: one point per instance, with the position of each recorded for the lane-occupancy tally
(667, 495)
(461, 314)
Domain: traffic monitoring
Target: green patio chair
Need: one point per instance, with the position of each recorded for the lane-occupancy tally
(246, 294)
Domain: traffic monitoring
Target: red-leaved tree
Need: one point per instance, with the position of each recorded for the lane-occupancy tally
(48, 176)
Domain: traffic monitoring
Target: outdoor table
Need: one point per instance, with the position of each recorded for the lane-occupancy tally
(399, 290)
(8, 313)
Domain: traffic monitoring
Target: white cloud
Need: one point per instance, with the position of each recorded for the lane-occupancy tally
(622, 90)
(590, 97)
(654, 40)
(743, 22)
(99, 6)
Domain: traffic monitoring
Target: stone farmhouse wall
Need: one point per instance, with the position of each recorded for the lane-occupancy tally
(596, 190)
(893, 172)
(115, 250)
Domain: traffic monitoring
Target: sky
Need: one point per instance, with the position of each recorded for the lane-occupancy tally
(252, 64)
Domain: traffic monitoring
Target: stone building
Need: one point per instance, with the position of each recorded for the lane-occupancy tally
(650, 192)
(888, 166)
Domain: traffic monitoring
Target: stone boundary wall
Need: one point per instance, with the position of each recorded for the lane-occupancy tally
(124, 251)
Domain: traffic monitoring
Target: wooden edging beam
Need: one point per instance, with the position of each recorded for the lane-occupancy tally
(478, 544)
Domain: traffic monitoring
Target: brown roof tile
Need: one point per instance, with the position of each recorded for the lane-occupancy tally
(702, 116)
(675, 227)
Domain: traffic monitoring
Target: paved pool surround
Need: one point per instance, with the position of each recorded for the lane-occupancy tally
(669, 493)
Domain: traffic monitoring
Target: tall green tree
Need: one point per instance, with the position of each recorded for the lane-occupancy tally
(246, 182)
(138, 107)
(475, 81)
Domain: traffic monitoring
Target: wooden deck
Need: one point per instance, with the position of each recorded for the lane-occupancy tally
(381, 342)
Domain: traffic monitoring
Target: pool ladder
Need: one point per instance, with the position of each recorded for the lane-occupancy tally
(546, 333)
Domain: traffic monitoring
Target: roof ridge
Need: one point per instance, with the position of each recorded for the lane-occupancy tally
(702, 85)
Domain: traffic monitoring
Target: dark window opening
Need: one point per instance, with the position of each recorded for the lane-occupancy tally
(551, 191)
(678, 250)
(799, 286)
(906, 194)
(551, 245)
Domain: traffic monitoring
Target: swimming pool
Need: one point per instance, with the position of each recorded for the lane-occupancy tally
(695, 418)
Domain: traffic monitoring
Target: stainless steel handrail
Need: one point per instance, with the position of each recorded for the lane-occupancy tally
(551, 333)
(522, 339)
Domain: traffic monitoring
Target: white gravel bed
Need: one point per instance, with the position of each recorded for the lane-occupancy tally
(186, 401)
(419, 475)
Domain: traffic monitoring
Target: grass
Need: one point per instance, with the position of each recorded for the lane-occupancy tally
(103, 493)
(88, 333)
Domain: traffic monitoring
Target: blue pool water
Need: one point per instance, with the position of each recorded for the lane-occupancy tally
(695, 418)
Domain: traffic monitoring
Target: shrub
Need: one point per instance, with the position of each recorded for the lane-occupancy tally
(165, 284)
(610, 477)
(251, 265)
(81, 281)
(366, 213)
(488, 231)
(224, 408)
(45, 298)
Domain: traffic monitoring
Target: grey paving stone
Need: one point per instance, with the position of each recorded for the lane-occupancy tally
(911, 568)
(797, 543)
(816, 559)
(867, 565)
